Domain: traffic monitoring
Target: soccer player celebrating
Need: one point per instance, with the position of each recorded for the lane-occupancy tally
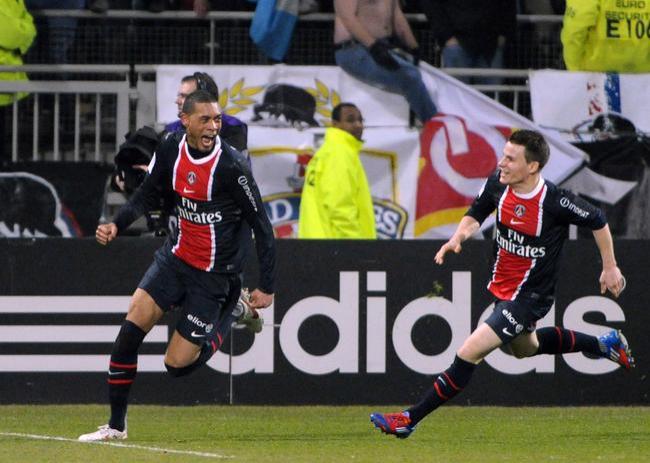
(533, 216)
(214, 192)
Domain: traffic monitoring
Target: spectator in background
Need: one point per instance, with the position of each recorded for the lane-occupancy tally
(98, 6)
(365, 32)
(472, 33)
(16, 36)
(200, 7)
(606, 36)
(61, 30)
(336, 201)
(543, 35)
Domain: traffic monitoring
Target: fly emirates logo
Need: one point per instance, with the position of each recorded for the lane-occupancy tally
(514, 244)
(188, 210)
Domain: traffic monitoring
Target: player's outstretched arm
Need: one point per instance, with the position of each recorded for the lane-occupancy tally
(611, 277)
(466, 228)
(105, 233)
(260, 300)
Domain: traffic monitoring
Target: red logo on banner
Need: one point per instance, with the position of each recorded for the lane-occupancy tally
(455, 158)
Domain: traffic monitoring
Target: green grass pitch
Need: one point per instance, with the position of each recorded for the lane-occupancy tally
(328, 434)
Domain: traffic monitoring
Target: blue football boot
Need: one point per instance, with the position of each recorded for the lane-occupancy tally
(615, 347)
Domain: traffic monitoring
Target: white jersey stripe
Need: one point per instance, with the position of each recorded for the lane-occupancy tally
(501, 200)
(211, 180)
(494, 269)
(213, 238)
(181, 145)
(540, 215)
(177, 161)
(524, 279)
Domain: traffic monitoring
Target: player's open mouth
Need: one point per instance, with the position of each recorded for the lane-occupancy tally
(207, 140)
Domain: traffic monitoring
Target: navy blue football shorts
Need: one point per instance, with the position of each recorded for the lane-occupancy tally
(206, 299)
(510, 318)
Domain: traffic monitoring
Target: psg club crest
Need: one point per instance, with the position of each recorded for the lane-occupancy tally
(520, 210)
(191, 177)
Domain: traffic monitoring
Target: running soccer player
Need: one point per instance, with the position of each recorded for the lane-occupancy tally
(214, 192)
(533, 216)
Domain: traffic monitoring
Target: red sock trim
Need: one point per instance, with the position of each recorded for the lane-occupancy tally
(451, 382)
(573, 340)
(123, 365)
(120, 381)
(440, 394)
(559, 334)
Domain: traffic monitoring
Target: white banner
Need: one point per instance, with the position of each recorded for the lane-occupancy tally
(430, 176)
(570, 101)
(278, 95)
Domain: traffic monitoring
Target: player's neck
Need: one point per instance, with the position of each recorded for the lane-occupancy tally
(527, 185)
(197, 153)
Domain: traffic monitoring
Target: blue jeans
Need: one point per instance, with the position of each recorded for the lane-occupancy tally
(406, 81)
(61, 30)
(455, 56)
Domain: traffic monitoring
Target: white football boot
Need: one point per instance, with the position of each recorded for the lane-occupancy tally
(246, 315)
(103, 433)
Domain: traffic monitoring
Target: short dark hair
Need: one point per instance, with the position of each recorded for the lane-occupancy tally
(535, 146)
(199, 96)
(336, 112)
(203, 81)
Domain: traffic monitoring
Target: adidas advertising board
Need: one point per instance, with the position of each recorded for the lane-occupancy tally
(364, 323)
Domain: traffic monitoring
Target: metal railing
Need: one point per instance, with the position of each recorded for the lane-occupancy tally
(73, 118)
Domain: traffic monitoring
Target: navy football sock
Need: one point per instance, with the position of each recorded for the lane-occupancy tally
(122, 370)
(556, 340)
(446, 386)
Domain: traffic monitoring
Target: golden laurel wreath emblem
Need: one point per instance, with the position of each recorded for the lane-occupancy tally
(239, 97)
(326, 99)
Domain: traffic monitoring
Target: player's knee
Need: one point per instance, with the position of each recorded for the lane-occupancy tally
(519, 354)
(143, 310)
(523, 352)
(176, 372)
(469, 354)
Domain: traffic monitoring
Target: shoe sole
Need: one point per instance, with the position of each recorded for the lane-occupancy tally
(626, 359)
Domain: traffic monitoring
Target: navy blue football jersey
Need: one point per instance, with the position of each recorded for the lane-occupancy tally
(530, 232)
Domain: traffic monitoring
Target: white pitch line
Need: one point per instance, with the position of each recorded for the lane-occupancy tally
(117, 444)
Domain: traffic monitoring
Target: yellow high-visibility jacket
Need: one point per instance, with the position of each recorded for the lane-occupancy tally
(336, 201)
(607, 35)
(17, 32)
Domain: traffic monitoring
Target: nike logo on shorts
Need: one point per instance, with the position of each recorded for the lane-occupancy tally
(194, 334)
(507, 333)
